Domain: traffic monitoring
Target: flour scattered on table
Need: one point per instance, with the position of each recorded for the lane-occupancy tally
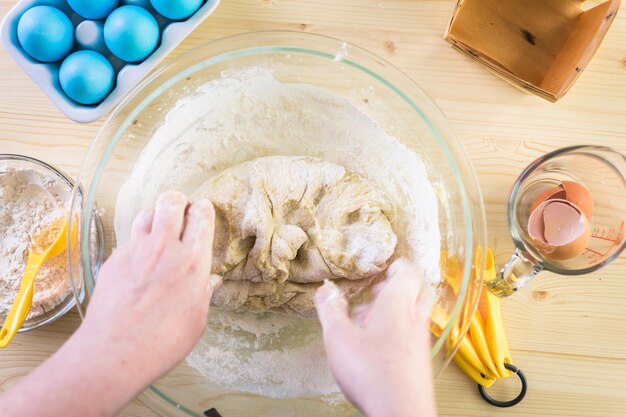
(29, 202)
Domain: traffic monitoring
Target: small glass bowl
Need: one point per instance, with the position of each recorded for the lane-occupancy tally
(20, 161)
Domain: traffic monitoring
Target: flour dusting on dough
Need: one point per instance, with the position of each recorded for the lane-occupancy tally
(284, 224)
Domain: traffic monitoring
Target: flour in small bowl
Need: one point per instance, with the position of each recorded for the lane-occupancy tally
(29, 203)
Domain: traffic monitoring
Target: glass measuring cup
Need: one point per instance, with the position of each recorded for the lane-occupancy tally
(602, 171)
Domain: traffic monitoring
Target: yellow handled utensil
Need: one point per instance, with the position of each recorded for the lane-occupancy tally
(51, 242)
(483, 352)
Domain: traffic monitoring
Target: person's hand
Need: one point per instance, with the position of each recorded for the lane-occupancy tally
(381, 356)
(148, 311)
(152, 295)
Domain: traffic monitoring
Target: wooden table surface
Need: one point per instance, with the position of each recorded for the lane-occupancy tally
(567, 334)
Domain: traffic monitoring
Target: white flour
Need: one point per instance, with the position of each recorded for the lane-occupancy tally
(29, 202)
(269, 354)
(246, 115)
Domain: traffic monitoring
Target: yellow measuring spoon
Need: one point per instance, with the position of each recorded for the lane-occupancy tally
(47, 244)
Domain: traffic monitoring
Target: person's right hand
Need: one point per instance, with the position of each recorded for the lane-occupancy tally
(381, 359)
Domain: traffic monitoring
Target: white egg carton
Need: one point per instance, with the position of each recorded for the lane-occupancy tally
(45, 75)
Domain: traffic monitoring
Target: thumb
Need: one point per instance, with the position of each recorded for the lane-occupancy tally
(215, 282)
(332, 308)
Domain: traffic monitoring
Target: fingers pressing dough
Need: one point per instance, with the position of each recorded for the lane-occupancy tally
(284, 224)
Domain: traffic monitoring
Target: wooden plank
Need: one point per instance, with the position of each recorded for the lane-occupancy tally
(566, 333)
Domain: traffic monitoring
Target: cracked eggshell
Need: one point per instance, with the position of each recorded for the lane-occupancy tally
(536, 229)
(549, 194)
(559, 229)
(580, 196)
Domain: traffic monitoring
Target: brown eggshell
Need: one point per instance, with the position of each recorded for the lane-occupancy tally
(580, 196)
(574, 248)
(549, 194)
(537, 230)
(536, 226)
(544, 247)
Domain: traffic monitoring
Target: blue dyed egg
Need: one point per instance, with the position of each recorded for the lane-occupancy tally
(141, 3)
(176, 9)
(86, 77)
(45, 33)
(90, 35)
(131, 33)
(93, 9)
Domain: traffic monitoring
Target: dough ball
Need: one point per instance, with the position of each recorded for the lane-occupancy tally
(284, 224)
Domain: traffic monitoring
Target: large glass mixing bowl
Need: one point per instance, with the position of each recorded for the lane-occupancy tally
(387, 95)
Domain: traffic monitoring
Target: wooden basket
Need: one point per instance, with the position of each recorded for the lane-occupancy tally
(541, 46)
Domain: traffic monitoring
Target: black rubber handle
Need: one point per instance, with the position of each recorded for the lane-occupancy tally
(516, 400)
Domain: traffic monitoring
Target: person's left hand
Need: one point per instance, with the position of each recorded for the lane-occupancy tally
(152, 296)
